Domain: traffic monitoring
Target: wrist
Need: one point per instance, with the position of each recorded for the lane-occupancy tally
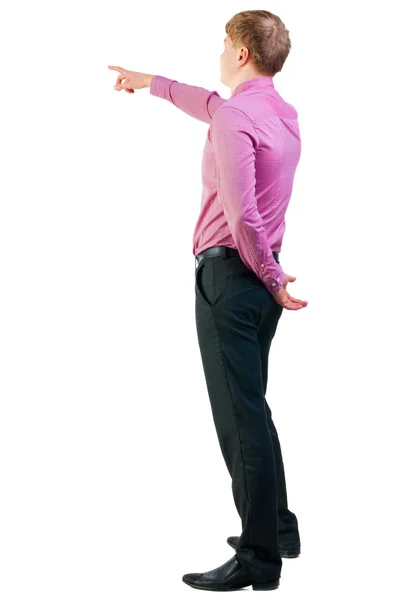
(148, 80)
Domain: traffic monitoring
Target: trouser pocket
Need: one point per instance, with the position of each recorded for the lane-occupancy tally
(211, 281)
(205, 282)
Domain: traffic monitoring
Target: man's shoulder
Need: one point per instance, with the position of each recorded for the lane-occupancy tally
(232, 111)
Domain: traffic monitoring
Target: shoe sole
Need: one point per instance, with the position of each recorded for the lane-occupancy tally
(283, 553)
(270, 585)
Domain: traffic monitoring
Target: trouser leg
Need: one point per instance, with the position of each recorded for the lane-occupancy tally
(287, 521)
(228, 312)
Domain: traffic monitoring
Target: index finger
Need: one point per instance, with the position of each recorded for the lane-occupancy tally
(117, 69)
(289, 305)
(297, 299)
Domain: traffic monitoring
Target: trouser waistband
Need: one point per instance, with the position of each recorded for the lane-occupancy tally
(223, 251)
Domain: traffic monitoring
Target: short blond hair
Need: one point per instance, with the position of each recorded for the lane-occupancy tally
(265, 36)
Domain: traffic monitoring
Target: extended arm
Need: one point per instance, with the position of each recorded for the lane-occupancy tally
(195, 101)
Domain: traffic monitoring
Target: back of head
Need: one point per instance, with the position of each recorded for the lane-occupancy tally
(264, 35)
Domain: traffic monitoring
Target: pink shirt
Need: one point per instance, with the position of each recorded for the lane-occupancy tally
(249, 160)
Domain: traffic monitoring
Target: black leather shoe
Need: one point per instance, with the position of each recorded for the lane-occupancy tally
(286, 550)
(230, 576)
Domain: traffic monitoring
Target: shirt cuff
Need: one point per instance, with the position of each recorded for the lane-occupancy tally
(275, 282)
(159, 86)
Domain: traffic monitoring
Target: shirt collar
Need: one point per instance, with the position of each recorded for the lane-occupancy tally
(255, 83)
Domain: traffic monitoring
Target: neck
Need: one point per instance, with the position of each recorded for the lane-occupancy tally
(246, 77)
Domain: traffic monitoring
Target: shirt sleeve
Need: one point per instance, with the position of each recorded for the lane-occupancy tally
(195, 101)
(234, 141)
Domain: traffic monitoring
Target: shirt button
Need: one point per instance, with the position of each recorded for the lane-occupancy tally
(273, 284)
(262, 265)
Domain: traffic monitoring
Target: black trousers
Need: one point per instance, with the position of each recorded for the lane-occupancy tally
(236, 319)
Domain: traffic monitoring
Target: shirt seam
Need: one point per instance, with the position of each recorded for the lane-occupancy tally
(245, 114)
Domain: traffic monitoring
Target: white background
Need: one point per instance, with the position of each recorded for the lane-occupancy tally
(112, 481)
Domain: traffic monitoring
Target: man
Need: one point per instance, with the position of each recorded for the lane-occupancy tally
(250, 156)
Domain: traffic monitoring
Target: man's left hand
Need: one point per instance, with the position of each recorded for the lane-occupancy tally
(285, 300)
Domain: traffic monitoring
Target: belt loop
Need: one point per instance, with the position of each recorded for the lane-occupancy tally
(224, 252)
